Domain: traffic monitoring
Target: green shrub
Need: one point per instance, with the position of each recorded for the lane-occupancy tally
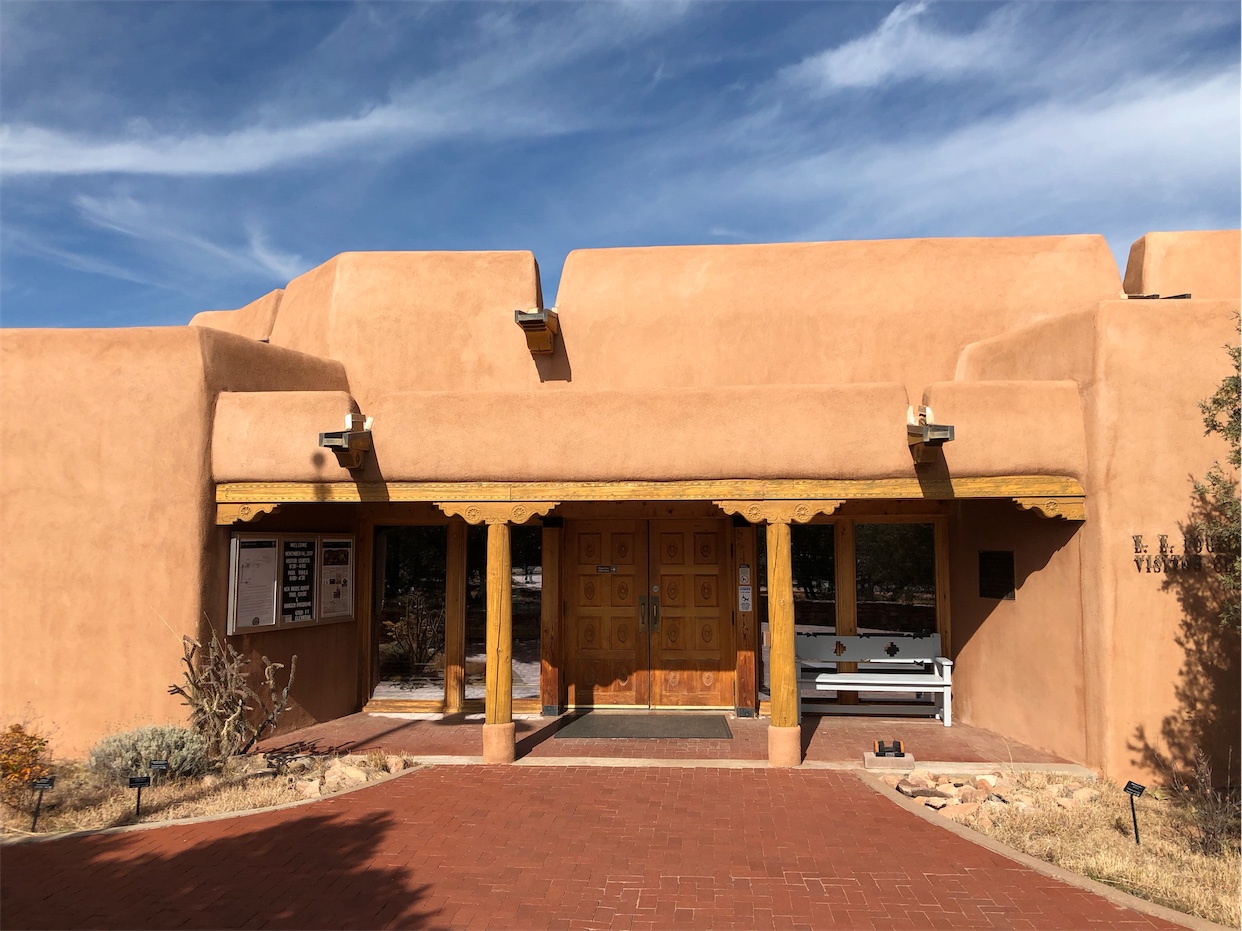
(23, 758)
(130, 753)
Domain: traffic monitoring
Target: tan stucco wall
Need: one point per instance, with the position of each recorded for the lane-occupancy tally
(1019, 668)
(254, 320)
(1011, 428)
(1206, 264)
(274, 436)
(415, 321)
(808, 313)
(107, 513)
(1142, 366)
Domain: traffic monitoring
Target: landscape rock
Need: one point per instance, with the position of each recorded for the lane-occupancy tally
(394, 763)
(960, 812)
(1067, 802)
(987, 782)
(1086, 794)
(935, 803)
(309, 787)
(891, 779)
(341, 775)
(913, 790)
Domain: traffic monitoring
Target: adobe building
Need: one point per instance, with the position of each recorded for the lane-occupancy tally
(633, 499)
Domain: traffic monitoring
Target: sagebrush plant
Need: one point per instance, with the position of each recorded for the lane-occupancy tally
(221, 701)
(130, 753)
(23, 758)
(1213, 810)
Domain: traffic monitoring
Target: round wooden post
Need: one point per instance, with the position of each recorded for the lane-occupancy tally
(455, 619)
(784, 732)
(498, 728)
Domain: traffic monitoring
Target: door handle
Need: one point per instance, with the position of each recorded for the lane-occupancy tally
(642, 614)
(655, 615)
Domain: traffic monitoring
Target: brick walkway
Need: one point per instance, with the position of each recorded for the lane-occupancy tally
(826, 739)
(551, 847)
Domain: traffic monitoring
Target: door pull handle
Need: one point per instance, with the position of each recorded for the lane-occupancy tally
(655, 615)
(642, 614)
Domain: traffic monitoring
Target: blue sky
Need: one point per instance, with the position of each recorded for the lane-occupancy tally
(161, 159)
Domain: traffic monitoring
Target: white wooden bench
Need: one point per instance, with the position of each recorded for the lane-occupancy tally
(899, 663)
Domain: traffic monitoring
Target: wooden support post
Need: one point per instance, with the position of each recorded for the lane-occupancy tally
(455, 619)
(550, 660)
(847, 595)
(498, 728)
(784, 733)
(744, 555)
(369, 558)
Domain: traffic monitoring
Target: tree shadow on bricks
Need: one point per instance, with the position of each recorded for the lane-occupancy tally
(275, 871)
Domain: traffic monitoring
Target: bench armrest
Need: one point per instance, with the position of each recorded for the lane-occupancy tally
(944, 667)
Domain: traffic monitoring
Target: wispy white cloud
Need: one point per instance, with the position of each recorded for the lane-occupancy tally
(904, 46)
(1153, 139)
(34, 150)
(284, 265)
(487, 96)
(168, 240)
(24, 243)
(1142, 149)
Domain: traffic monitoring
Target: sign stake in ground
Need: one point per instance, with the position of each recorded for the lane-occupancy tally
(1134, 790)
(40, 786)
(159, 766)
(139, 783)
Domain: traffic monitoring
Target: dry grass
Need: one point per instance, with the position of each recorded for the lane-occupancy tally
(1096, 839)
(84, 800)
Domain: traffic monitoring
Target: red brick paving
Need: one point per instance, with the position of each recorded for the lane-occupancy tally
(552, 847)
(828, 739)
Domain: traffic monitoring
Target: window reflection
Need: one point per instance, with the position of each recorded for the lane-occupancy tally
(895, 578)
(411, 612)
(525, 548)
(813, 557)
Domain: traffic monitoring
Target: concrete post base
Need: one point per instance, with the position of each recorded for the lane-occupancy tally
(785, 745)
(498, 740)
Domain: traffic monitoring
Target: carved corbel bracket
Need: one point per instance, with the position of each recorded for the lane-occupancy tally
(496, 512)
(780, 512)
(1066, 508)
(242, 513)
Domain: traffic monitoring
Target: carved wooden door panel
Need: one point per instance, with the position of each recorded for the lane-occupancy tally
(692, 653)
(606, 654)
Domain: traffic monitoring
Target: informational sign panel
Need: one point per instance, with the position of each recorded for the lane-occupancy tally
(297, 581)
(287, 580)
(253, 584)
(336, 578)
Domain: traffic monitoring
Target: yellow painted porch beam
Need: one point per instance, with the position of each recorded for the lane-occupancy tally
(1001, 486)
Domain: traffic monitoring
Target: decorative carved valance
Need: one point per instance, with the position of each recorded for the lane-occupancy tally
(242, 513)
(1065, 508)
(780, 512)
(496, 512)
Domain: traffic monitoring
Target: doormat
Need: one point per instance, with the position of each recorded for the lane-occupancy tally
(594, 725)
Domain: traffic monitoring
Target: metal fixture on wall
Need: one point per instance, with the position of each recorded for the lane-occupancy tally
(351, 444)
(923, 433)
(540, 325)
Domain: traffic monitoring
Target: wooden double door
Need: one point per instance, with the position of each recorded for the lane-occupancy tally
(648, 617)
